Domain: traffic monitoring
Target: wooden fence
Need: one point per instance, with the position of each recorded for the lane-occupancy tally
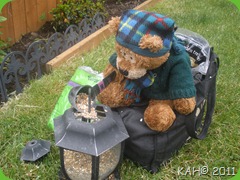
(25, 16)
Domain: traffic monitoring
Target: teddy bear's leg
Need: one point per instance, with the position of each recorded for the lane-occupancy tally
(159, 115)
(184, 105)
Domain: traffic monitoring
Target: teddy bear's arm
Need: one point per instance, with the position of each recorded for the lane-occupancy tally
(114, 95)
(181, 83)
(182, 86)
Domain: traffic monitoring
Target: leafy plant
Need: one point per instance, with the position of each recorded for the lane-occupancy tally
(74, 11)
(42, 17)
(2, 43)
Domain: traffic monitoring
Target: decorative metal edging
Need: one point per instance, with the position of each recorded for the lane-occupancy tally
(17, 68)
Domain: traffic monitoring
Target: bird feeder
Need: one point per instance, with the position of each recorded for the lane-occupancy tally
(90, 148)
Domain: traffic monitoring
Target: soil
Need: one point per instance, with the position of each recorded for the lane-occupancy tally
(113, 8)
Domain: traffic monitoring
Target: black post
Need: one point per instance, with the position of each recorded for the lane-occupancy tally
(62, 174)
(95, 167)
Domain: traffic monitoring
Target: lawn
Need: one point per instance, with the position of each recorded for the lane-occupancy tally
(25, 117)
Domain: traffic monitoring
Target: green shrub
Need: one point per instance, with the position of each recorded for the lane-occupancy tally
(73, 11)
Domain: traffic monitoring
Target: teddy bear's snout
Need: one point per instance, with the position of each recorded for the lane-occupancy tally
(132, 74)
(129, 67)
(123, 72)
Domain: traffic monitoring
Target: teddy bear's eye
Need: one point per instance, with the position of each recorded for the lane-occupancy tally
(123, 53)
(132, 59)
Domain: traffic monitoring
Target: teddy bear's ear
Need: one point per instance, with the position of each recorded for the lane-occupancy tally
(114, 23)
(153, 43)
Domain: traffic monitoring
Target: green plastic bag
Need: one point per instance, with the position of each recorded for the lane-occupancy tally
(84, 75)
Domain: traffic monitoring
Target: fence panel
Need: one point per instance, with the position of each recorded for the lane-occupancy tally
(7, 26)
(19, 18)
(31, 15)
(25, 16)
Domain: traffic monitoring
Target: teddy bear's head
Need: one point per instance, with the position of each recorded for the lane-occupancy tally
(143, 41)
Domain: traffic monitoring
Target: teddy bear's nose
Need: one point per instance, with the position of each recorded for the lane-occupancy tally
(123, 72)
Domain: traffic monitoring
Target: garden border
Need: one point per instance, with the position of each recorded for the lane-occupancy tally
(18, 68)
(88, 43)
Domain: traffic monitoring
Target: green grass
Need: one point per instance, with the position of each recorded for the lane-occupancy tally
(25, 117)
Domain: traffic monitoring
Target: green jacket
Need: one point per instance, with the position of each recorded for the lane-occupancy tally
(173, 80)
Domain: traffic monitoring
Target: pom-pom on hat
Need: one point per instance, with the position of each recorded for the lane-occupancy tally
(135, 24)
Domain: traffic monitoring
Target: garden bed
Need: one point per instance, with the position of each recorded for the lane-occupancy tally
(113, 8)
(90, 42)
(45, 47)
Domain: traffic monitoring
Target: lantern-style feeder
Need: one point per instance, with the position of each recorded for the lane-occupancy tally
(89, 148)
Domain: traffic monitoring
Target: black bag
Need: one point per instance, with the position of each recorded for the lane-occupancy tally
(151, 148)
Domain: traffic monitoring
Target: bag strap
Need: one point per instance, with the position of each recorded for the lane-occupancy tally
(192, 122)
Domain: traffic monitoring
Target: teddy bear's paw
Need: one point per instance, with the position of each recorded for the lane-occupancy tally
(184, 105)
(159, 117)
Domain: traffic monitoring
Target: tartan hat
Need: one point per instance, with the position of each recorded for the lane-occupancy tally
(134, 24)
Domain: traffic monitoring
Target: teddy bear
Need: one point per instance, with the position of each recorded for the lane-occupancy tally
(150, 65)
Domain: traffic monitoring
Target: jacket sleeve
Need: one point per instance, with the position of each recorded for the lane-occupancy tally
(181, 83)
